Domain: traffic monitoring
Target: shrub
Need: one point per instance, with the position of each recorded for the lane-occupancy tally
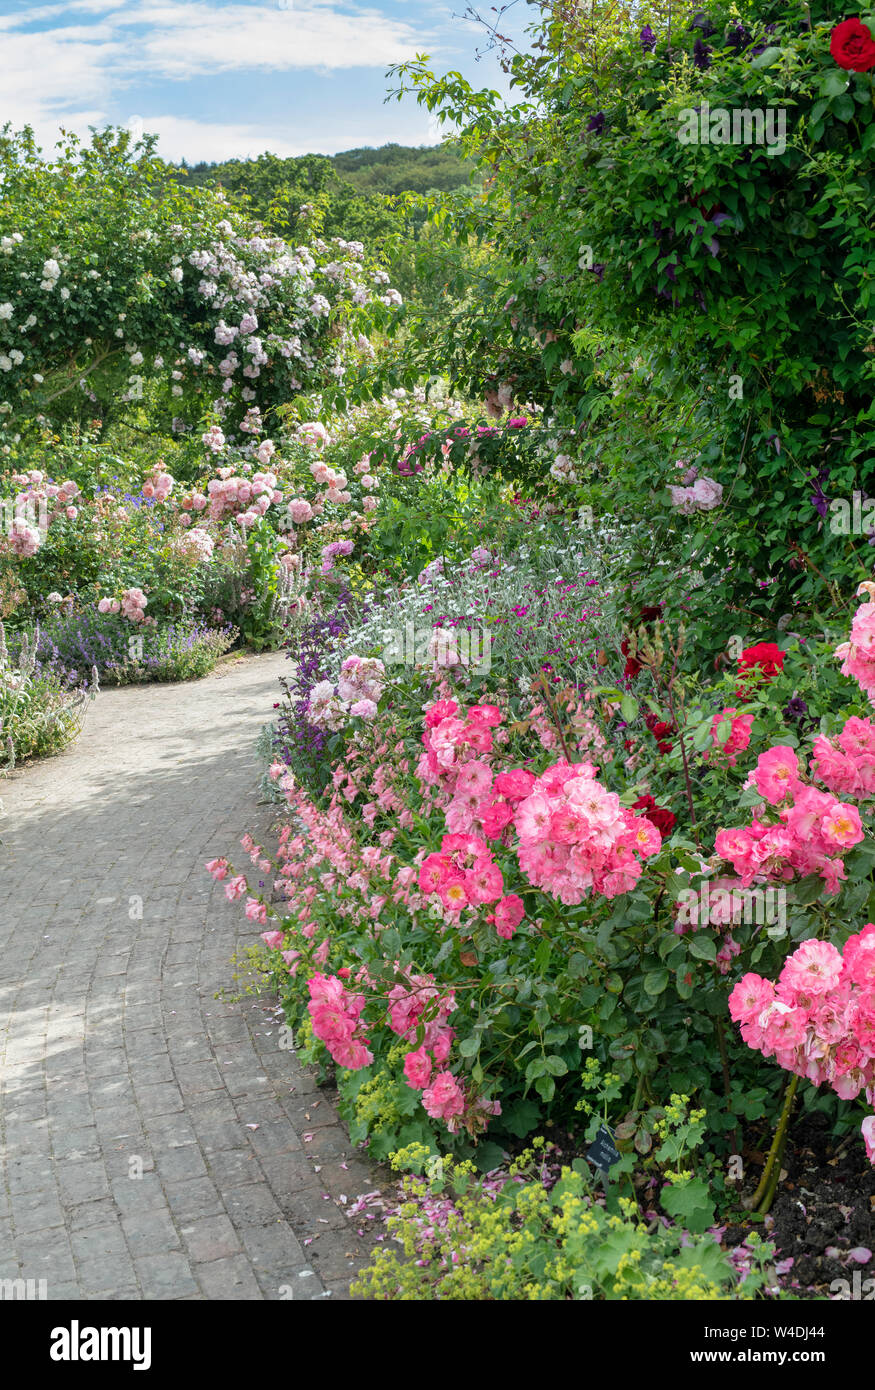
(541, 1232)
(89, 640)
(41, 703)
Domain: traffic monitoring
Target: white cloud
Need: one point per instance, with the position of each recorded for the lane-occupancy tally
(196, 38)
(69, 63)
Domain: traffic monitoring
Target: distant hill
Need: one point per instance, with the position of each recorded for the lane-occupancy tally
(391, 169)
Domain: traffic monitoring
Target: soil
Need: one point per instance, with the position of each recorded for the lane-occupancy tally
(824, 1208)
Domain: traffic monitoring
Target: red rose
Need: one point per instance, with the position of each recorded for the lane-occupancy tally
(650, 613)
(852, 46)
(765, 658)
(662, 819)
(632, 667)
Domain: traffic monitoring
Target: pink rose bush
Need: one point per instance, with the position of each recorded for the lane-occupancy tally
(356, 694)
(572, 835)
(478, 877)
(36, 504)
(730, 734)
(803, 831)
(858, 654)
(819, 1019)
(703, 496)
(354, 865)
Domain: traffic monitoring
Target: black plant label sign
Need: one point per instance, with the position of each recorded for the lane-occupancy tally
(604, 1151)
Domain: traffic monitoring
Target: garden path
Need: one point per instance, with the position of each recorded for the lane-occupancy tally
(119, 1060)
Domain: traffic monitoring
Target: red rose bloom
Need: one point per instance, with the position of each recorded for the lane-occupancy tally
(632, 667)
(765, 659)
(662, 819)
(852, 46)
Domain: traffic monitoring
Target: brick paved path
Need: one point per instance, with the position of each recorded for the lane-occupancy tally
(117, 1055)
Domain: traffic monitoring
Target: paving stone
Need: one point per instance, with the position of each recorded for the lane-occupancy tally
(228, 1279)
(37, 1211)
(165, 1276)
(213, 1238)
(180, 1163)
(150, 1232)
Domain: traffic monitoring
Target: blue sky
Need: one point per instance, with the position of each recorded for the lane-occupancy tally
(233, 78)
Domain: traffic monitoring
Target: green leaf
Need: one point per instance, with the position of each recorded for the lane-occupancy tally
(749, 797)
(628, 708)
(655, 981)
(766, 59)
(690, 1205)
(546, 1087)
(833, 84)
(488, 1155)
(555, 1065)
(702, 736)
(535, 1069)
(521, 1117)
(702, 947)
(808, 890)
(843, 107)
(469, 1047)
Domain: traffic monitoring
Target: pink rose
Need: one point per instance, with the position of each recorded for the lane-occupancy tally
(417, 1068)
(444, 1097)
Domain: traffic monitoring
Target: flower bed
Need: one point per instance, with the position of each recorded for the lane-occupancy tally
(42, 703)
